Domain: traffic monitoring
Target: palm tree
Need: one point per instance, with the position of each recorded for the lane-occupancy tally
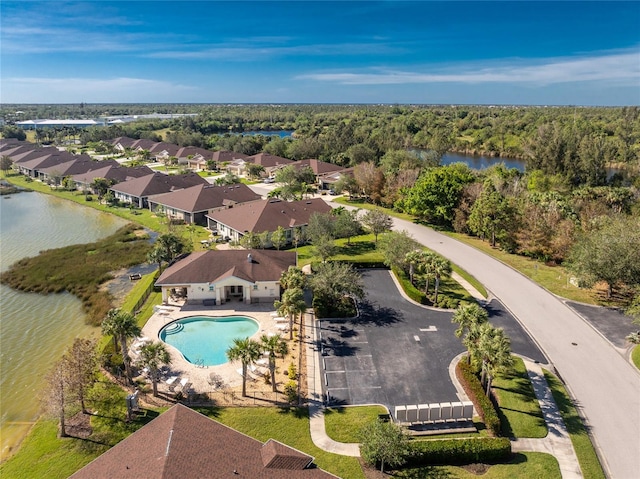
(413, 259)
(122, 326)
(277, 348)
(493, 353)
(293, 278)
(247, 351)
(469, 317)
(152, 356)
(291, 305)
(439, 267)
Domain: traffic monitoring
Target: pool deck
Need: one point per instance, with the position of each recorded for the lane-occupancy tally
(199, 376)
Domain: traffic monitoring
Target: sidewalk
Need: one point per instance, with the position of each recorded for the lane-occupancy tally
(557, 443)
(316, 407)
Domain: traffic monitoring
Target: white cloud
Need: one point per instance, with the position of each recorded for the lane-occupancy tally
(250, 50)
(612, 67)
(94, 90)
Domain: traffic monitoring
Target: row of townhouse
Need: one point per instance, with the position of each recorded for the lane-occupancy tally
(232, 211)
(327, 174)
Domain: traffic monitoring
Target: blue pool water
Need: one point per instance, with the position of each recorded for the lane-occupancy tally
(204, 340)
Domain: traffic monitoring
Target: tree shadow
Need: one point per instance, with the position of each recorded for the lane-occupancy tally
(295, 411)
(337, 347)
(371, 313)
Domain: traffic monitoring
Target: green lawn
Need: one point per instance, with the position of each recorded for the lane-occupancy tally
(344, 424)
(635, 356)
(289, 426)
(359, 203)
(589, 462)
(524, 465)
(553, 278)
(472, 280)
(43, 454)
(519, 410)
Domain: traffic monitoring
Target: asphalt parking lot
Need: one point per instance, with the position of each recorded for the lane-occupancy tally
(396, 352)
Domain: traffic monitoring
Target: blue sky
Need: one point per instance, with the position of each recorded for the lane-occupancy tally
(542, 53)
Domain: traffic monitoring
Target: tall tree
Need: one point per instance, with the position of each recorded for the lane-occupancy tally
(383, 443)
(56, 399)
(468, 317)
(437, 193)
(346, 224)
(276, 348)
(610, 254)
(247, 351)
(491, 214)
(332, 281)
(439, 267)
(377, 221)
(291, 304)
(279, 238)
(121, 325)
(5, 163)
(324, 246)
(153, 356)
(394, 247)
(293, 277)
(492, 353)
(81, 362)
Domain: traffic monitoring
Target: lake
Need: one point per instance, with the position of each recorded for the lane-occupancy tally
(35, 329)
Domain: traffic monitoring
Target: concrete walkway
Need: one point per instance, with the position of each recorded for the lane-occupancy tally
(557, 442)
(316, 407)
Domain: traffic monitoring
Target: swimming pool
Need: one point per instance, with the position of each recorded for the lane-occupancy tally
(204, 340)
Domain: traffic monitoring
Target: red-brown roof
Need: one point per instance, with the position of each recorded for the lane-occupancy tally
(158, 183)
(112, 172)
(267, 215)
(267, 160)
(182, 443)
(206, 197)
(225, 155)
(213, 265)
(319, 167)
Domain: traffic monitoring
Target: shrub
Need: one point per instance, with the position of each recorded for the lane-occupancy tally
(292, 372)
(291, 392)
(459, 451)
(475, 391)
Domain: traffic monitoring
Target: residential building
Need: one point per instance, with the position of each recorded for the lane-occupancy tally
(184, 443)
(192, 204)
(219, 276)
(265, 215)
(138, 190)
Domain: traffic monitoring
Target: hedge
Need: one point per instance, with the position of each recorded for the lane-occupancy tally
(475, 391)
(459, 451)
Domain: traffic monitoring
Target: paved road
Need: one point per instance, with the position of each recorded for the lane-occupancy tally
(606, 386)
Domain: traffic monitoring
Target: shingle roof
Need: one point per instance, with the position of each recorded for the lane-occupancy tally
(182, 443)
(187, 151)
(32, 154)
(267, 160)
(211, 266)
(170, 148)
(118, 173)
(157, 183)
(205, 197)
(225, 155)
(81, 164)
(319, 167)
(267, 215)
